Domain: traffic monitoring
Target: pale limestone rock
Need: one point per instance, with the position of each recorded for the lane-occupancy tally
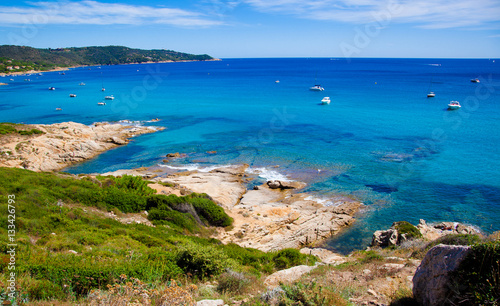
(266, 219)
(324, 255)
(222, 185)
(385, 238)
(64, 144)
(287, 276)
(431, 282)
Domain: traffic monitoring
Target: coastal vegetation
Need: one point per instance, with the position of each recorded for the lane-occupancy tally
(91, 240)
(68, 245)
(23, 58)
(21, 129)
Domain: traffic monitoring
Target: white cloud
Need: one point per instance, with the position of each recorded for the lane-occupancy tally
(430, 14)
(93, 12)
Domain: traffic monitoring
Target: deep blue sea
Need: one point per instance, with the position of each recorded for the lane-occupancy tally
(381, 140)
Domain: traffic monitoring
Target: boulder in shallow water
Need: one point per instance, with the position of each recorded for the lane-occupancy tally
(274, 184)
(385, 238)
(174, 155)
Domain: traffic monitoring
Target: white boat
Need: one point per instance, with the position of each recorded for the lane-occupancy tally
(325, 100)
(72, 95)
(316, 88)
(101, 103)
(52, 88)
(103, 89)
(277, 81)
(476, 80)
(431, 95)
(454, 105)
(82, 84)
(109, 97)
(58, 109)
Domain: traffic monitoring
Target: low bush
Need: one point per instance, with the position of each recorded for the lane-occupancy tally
(287, 258)
(310, 294)
(133, 184)
(30, 132)
(451, 239)
(368, 256)
(182, 220)
(477, 279)
(203, 261)
(407, 229)
(7, 128)
(198, 205)
(232, 282)
(42, 289)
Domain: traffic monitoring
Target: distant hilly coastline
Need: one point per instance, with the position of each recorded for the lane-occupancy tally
(19, 59)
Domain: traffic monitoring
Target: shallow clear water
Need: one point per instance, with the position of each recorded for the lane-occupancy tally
(381, 140)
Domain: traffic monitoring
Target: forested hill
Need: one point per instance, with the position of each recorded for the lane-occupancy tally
(45, 59)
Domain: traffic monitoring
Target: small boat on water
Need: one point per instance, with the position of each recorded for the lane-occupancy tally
(316, 88)
(431, 95)
(454, 105)
(103, 89)
(325, 100)
(476, 80)
(52, 88)
(109, 97)
(72, 95)
(58, 109)
(101, 103)
(277, 81)
(82, 84)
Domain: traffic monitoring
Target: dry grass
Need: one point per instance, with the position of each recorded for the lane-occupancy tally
(134, 292)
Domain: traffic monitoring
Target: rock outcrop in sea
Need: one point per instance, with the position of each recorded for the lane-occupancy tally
(271, 217)
(63, 144)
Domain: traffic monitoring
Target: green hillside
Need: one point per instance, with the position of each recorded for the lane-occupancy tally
(68, 244)
(21, 58)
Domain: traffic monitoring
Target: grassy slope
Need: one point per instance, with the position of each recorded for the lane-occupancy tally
(47, 233)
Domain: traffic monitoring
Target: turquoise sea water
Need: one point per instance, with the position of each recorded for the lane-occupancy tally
(381, 140)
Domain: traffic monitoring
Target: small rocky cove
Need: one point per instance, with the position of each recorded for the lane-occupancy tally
(409, 264)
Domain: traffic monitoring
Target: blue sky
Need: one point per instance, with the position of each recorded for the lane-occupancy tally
(262, 28)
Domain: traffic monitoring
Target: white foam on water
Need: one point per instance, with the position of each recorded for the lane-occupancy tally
(195, 167)
(322, 201)
(268, 174)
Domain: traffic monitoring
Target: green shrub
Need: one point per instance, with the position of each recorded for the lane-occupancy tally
(407, 229)
(232, 282)
(182, 220)
(214, 214)
(30, 132)
(133, 184)
(7, 128)
(42, 289)
(451, 239)
(287, 258)
(369, 256)
(310, 294)
(199, 206)
(203, 261)
(125, 201)
(478, 277)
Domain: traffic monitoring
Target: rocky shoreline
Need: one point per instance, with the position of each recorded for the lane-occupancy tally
(59, 145)
(265, 218)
